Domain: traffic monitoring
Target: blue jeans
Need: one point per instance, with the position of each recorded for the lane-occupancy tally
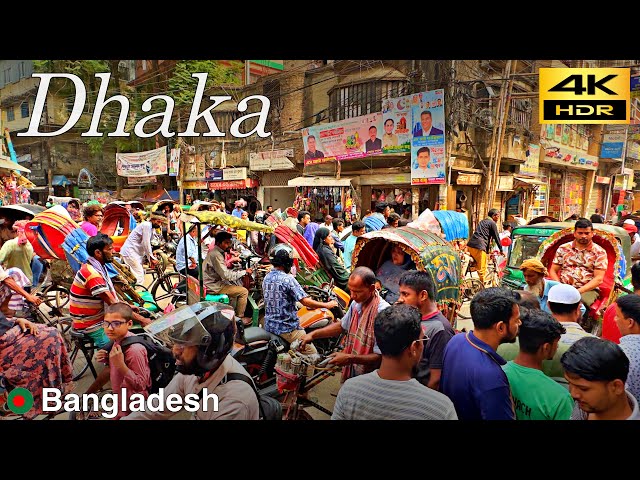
(36, 267)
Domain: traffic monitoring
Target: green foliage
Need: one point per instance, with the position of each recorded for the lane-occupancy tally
(183, 85)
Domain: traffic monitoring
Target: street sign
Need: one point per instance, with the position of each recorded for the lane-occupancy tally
(469, 179)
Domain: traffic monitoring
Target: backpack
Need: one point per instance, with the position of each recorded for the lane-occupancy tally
(270, 408)
(161, 361)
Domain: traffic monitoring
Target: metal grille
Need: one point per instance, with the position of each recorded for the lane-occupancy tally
(277, 179)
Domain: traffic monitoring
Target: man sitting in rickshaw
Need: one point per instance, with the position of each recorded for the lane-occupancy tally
(92, 289)
(581, 263)
(220, 280)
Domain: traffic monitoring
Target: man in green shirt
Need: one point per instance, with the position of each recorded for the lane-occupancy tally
(18, 252)
(536, 396)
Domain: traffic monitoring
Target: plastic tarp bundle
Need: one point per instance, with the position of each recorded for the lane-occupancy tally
(455, 225)
(373, 224)
(427, 222)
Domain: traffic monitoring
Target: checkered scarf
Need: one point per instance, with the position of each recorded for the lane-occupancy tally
(360, 338)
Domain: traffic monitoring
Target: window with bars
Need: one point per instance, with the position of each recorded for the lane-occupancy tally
(11, 116)
(363, 98)
(24, 109)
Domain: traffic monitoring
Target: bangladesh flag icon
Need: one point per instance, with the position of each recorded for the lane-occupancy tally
(20, 401)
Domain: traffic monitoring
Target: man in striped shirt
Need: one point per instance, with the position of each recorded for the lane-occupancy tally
(390, 392)
(92, 289)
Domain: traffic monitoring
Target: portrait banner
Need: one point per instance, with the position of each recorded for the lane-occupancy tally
(397, 120)
(344, 140)
(428, 165)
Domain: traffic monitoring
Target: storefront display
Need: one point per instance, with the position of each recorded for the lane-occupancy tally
(540, 202)
(322, 201)
(566, 194)
(14, 188)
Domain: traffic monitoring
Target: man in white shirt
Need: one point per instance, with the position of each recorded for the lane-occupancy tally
(423, 159)
(138, 245)
(630, 226)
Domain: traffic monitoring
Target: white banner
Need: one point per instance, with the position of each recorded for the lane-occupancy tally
(142, 164)
(142, 180)
(234, 173)
(271, 160)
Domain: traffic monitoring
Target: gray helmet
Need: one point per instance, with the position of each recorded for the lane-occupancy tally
(282, 256)
(208, 325)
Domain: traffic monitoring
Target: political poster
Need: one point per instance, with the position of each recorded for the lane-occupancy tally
(397, 121)
(428, 138)
(344, 140)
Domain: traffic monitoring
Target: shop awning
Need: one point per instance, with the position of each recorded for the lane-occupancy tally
(7, 163)
(320, 182)
(60, 180)
(530, 181)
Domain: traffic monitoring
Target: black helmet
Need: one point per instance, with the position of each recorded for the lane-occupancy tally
(208, 325)
(282, 256)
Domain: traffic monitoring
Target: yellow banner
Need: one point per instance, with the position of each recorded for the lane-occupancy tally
(584, 95)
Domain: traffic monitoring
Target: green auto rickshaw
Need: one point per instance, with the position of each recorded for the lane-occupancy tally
(543, 239)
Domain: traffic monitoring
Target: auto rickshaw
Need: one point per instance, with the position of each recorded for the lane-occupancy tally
(542, 241)
(429, 253)
(225, 220)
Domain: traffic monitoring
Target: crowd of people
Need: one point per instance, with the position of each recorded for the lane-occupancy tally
(527, 356)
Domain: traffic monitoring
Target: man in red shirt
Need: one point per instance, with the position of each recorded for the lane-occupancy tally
(610, 330)
(92, 289)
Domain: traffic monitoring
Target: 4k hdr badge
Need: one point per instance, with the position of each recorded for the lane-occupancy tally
(584, 95)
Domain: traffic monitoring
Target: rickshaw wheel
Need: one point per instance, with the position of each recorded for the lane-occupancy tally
(469, 287)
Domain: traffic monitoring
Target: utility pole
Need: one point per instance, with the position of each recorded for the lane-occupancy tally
(498, 140)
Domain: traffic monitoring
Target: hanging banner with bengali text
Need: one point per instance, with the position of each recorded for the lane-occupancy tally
(344, 140)
(428, 137)
(142, 164)
(137, 181)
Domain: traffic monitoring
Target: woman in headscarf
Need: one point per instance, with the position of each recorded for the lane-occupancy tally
(390, 272)
(322, 243)
(31, 356)
(534, 272)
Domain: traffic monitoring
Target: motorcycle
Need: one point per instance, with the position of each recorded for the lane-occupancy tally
(257, 350)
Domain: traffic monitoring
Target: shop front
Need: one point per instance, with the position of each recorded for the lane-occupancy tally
(274, 189)
(599, 194)
(571, 181)
(195, 190)
(14, 187)
(324, 195)
(275, 168)
(228, 191)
